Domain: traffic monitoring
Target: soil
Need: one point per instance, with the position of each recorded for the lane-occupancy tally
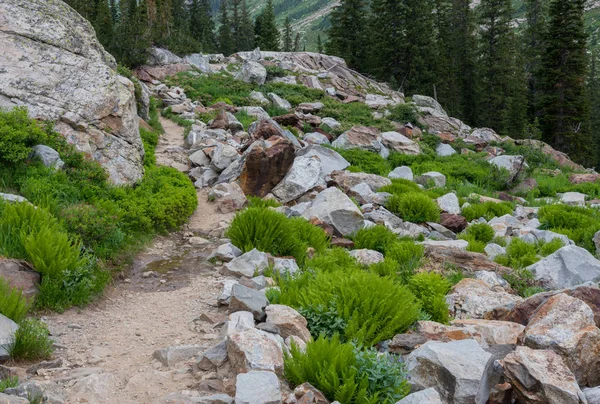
(168, 298)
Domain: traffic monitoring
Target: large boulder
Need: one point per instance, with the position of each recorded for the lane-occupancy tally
(54, 65)
(473, 298)
(266, 163)
(305, 174)
(247, 299)
(257, 387)
(347, 180)
(361, 137)
(566, 326)
(428, 105)
(336, 209)
(248, 264)
(7, 335)
(330, 159)
(400, 143)
(569, 266)
(228, 196)
(20, 275)
(515, 165)
(453, 368)
(288, 321)
(252, 72)
(254, 349)
(427, 396)
(540, 376)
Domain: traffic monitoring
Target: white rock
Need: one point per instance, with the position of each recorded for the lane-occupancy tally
(493, 250)
(444, 150)
(366, 257)
(334, 207)
(428, 105)
(316, 138)
(279, 102)
(285, 266)
(259, 97)
(403, 172)
(427, 396)
(438, 179)
(449, 203)
(225, 252)
(331, 123)
(567, 267)
(7, 335)
(257, 387)
(305, 174)
(252, 72)
(573, 198)
(248, 264)
(514, 164)
(400, 143)
(330, 159)
(457, 244)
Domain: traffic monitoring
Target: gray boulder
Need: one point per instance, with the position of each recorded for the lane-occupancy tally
(454, 369)
(162, 57)
(514, 164)
(449, 203)
(225, 252)
(228, 196)
(252, 72)
(171, 355)
(259, 97)
(222, 156)
(592, 395)
(428, 105)
(253, 349)
(335, 208)
(257, 387)
(444, 150)
(400, 143)
(330, 159)
(547, 236)
(305, 174)
(214, 357)
(279, 102)
(54, 66)
(248, 264)
(401, 173)
(8, 328)
(331, 123)
(285, 266)
(366, 257)
(567, 267)
(198, 61)
(437, 179)
(6, 399)
(316, 138)
(493, 250)
(12, 198)
(199, 159)
(257, 112)
(246, 299)
(573, 198)
(427, 396)
(47, 155)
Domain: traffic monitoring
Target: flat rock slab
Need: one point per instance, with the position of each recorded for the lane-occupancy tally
(257, 387)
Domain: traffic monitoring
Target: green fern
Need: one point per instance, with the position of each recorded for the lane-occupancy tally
(12, 302)
(431, 288)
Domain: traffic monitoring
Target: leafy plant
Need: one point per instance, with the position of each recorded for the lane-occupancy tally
(414, 207)
(366, 161)
(519, 255)
(378, 238)
(404, 113)
(12, 302)
(31, 341)
(431, 289)
(408, 255)
(8, 383)
(400, 186)
(18, 134)
(386, 373)
(373, 307)
(323, 321)
(487, 210)
(256, 202)
(482, 232)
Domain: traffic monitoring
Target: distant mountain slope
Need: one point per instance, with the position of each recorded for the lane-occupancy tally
(311, 17)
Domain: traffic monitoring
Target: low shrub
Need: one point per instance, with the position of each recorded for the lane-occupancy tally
(487, 210)
(18, 134)
(475, 245)
(519, 254)
(374, 308)
(150, 141)
(550, 247)
(408, 255)
(256, 202)
(366, 161)
(8, 383)
(332, 260)
(270, 231)
(343, 373)
(404, 113)
(378, 238)
(578, 223)
(12, 302)
(431, 289)
(323, 321)
(245, 119)
(482, 232)
(400, 186)
(31, 341)
(414, 207)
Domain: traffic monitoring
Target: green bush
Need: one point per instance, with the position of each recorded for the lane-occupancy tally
(366, 161)
(475, 245)
(270, 231)
(256, 202)
(400, 186)
(323, 321)
(150, 141)
(344, 374)
(414, 207)
(12, 302)
(404, 113)
(431, 289)
(378, 238)
(332, 260)
(8, 383)
(374, 308)
(482, 232)
(550, 247)
(519, 254)
(578, 223)
(487, 210)
(18, 134)
(408, 255)
(31, 341)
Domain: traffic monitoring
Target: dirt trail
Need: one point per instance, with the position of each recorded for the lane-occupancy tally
(108, 347)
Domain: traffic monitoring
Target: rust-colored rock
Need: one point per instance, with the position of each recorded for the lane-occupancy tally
(20, 275)
(306, 393)
(560, 157)
(465, 260)
(223, 105)
(151, 73)
(479, 143)
(584, 178)
(455, 223)
(265, 166)
(447, 137)
(265, 129)
(221, 121)
(289, 120)
(342, 243)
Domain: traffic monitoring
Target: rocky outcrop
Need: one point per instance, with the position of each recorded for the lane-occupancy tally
(53, 64)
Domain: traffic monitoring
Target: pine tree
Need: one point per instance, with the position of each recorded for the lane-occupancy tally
(348, 33)
(455, 82)
(133, 36)
(534, 46)
(268, 33)
(236, 24)
(288, 42)
(114, 12)
(594, 101)
(297, 43)
(246, 29)
(319, 44)
(498, 71)
(225, 37)
(564, 105)
(202, 27)
(104, 25)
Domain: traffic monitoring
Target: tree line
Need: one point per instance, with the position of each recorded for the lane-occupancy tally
(536, 80)
(127, 28)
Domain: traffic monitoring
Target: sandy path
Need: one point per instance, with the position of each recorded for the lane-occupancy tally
(108, 347)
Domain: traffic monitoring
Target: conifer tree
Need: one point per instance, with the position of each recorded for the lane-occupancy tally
(225, 37)
(104, 25)
(133, 35)
(202, 27)
(498, 70)
(594, 101)
(246, 29)
(288, 42)
(297, 43)
(564, 106)
(319, 44)
(348, 33)
(534, 47)
(268, 33)
(236, 24)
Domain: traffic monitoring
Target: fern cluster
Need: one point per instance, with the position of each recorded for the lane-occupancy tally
(345, 374)
(487, 210)
(414, 207)
(12, 302)
(270, 231)
(431, 289)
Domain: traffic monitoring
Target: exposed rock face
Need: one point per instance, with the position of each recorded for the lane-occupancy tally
(454, 368)
(540, 376)
(289, 321)
(7, 335)
(333, 207)
(304, 175)
(472, 298)
(569, 266)
(566, 325)
(53, 64)
(253, 349)
(20, 275)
